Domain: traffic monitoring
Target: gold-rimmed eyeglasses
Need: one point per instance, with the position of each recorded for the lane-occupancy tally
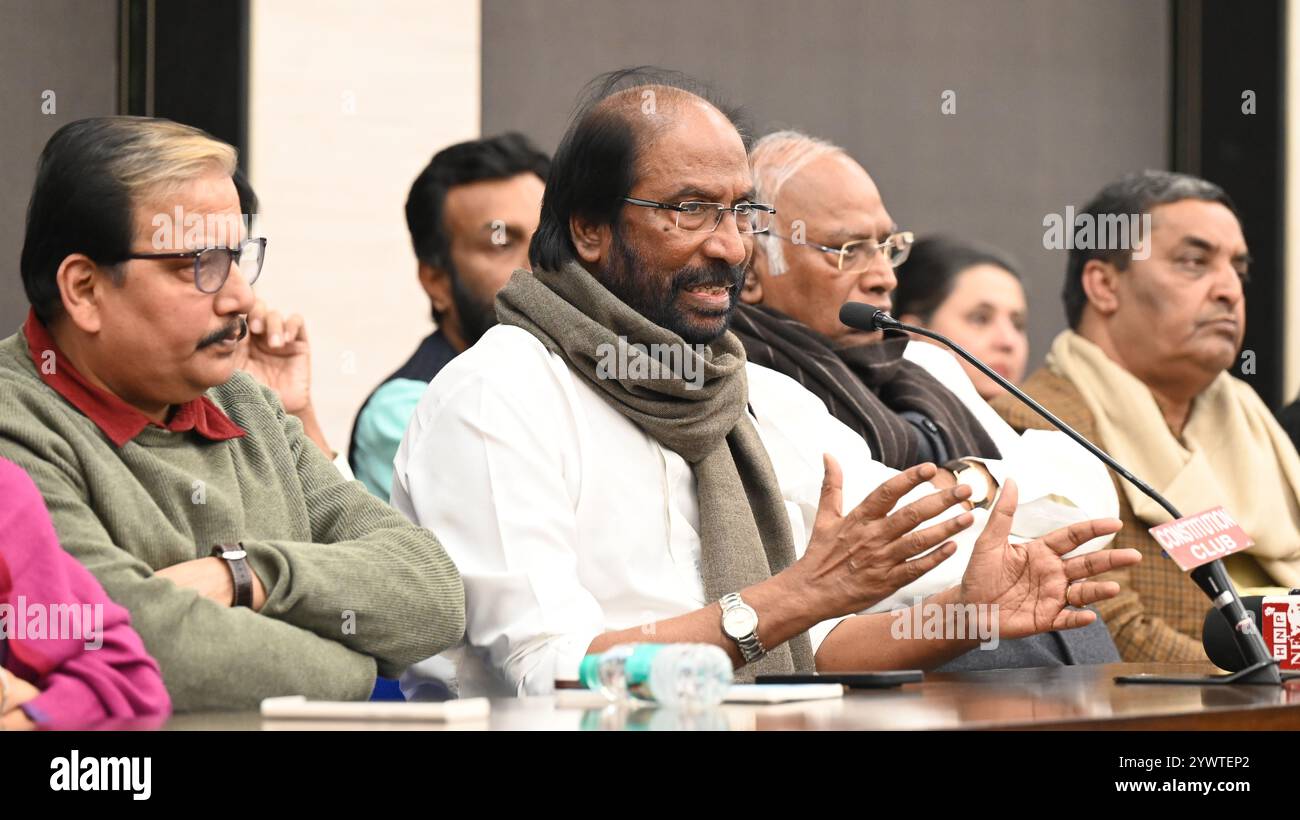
(857, 255)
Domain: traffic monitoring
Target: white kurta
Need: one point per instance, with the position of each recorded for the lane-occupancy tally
(566, 520)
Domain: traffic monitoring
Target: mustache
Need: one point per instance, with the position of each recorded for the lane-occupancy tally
(723, 276)
(238, 326)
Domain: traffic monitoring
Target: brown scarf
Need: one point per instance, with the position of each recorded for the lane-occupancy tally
(865, 386)
(745, 536)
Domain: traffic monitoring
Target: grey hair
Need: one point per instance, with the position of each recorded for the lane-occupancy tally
(773, 161)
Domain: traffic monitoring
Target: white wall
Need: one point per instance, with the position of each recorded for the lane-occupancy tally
(348, 101)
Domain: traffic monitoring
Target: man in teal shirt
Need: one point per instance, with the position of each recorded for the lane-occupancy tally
(471, 213)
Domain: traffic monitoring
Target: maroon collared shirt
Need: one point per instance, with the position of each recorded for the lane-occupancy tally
(118, 420)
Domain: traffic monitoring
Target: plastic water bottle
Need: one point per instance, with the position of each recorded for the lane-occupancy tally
(690, 676)
(677, 675)
(607, 672)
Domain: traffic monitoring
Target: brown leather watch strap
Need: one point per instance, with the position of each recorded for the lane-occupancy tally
(237, 560)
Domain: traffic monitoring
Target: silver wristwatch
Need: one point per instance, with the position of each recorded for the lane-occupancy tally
(740, 623)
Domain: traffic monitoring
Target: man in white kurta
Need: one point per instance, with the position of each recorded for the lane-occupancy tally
(568, 521)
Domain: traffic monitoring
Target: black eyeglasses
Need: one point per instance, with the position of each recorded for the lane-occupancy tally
(212, 265)
(707, 216)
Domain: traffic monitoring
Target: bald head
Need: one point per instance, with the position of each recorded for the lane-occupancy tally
(651, 111)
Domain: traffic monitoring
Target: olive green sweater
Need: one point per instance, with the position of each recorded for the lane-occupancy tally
(352, 587)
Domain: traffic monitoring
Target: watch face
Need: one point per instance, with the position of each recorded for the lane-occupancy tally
(739, 622)
(978, 483)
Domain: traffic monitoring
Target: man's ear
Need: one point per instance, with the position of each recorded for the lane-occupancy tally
(81, 287)
(751, 292)
(590, 240)
(1100, 281)
(437, 286)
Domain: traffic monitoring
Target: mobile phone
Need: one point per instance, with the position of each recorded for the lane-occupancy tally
(853, 680)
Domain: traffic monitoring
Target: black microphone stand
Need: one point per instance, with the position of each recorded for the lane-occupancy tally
(1212, 578)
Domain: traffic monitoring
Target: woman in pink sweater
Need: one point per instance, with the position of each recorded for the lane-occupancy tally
(68, 655)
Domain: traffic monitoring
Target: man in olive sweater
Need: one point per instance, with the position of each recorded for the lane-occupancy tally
(249, 566)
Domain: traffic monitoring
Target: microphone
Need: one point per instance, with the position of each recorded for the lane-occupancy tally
(1221, 647)
(1212, 577)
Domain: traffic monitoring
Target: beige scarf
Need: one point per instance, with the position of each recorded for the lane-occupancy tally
(1233, 453)
(745, 536)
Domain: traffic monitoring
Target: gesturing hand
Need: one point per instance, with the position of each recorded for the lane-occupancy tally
(1030, 583)
(856, 560)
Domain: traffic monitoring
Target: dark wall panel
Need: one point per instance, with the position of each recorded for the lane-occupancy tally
(1052, 99)
(1229, 127)
(65, 46)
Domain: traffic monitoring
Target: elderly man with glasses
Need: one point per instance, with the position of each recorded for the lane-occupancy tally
(588, 507)
(249, 566)
(833, 241)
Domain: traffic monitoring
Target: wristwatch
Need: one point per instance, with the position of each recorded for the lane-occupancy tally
(237, 560)
(740, 623)
(975, 475)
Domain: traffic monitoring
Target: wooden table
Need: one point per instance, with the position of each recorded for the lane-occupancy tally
(1071, 697)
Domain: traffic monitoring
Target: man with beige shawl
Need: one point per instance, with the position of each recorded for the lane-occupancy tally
(1155, 328)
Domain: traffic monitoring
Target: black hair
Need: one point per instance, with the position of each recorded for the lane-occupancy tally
(926, 279)
(499, 157)
(1134, 194)
(247, 196)
(77, 206)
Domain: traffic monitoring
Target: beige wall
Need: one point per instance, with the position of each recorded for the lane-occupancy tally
(348, 102)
